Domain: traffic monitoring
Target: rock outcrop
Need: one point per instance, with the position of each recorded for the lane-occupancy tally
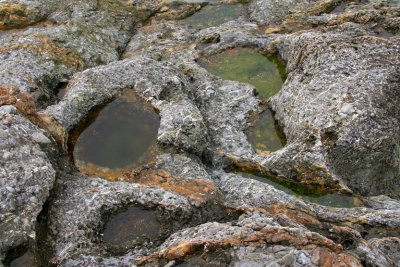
(338, 110)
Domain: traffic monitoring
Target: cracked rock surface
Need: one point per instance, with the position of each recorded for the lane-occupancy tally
(338, 110)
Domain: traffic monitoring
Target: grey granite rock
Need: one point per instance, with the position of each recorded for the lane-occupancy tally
(26, 177)
(345, 94)
(338, 109)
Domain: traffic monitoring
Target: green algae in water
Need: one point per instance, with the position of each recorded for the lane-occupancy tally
(133, 225)
(120, 135)
(332, 200)
(266, 74)
(248, 66)
(264, 135)
(211, 15)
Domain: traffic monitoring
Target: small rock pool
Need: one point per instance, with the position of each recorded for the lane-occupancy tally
(133, 226)
(267, 75)
(121, 135)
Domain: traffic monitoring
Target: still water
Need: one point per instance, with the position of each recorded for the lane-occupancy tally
(120, 135)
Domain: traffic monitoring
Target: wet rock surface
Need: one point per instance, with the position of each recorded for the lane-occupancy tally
(193, 201)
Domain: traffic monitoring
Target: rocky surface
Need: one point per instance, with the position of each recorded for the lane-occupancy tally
(26, 177)
(338, 110)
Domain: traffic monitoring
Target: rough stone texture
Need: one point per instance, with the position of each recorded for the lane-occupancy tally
(338, 110)
(26, 177)
(267, 12)
(181, 122)
(340, 103)
(303, 248)
(76, 215)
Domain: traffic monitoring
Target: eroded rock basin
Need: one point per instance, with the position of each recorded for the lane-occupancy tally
(132, 227)
(158, 116)
(267, 75)
(120, 135)
(247, 66)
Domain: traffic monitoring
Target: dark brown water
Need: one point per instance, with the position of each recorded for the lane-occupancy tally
(26, 260)
(120, 135)
(133, 225)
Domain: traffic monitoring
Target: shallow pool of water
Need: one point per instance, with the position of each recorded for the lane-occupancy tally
(266, 135)
(212, 15)
(302, 192)
(26, 260)
(248, 66)
(266, 75)
(120, 135)
(133, 225)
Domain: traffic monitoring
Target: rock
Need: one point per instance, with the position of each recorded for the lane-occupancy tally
(40, 138)
(26, 179)
(271, 12)
(80, 35)
(338, 110)
(250, 247)
(363, 156)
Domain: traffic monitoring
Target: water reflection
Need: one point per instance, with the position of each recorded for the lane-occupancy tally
(134, 225)
(248, 66)
(121, 135)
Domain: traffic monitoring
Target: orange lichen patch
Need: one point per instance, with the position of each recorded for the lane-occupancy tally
(326, 258)
(16, 15)
(21, 100)
(287, 27)
(106, 173)
(181, 250)
(198, 190)
(48, 47)
(310, 220)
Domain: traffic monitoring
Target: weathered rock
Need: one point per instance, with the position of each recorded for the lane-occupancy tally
(78, 213)
(26, 177)
(349, 122)
(271, 12)
(338, 110)
(250, 234)
(181, 122)
(79, 35)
